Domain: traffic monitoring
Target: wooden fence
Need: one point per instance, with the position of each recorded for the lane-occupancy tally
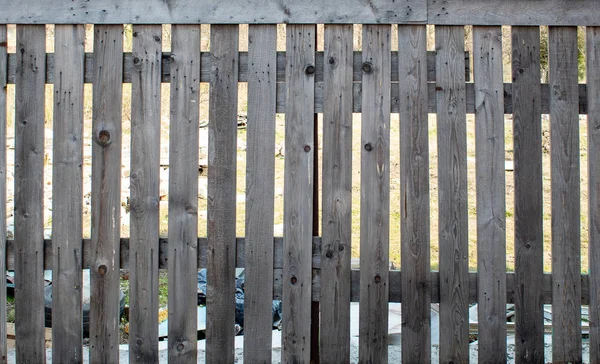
(301, 268)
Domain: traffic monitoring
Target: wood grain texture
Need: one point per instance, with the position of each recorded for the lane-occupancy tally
(222, 153)
(205, 11)
(244, 69)
(183, 194)
(337, 196)
(67, 195)
(452, 182)
(106, 194)
(375, 195)
(298, 193)
(491, 204)
(144, 194)
(260, 187)
(414, 192)
(564, 134)
(28, 198)
(593, 79)
(3, 122)
(512, 12)
(529, 236)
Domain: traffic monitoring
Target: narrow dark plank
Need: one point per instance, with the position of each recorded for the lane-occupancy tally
(529, 236)
(3, 122)
(337, 196)
(566, 259)
(67, 195)
(260, 185)
(183, 193)
(593, 94)
(452, 180)
(222, 152)
(414, 192)
(29, 210)
(144, 194)
(375, 195)
(298, 193)
(106, 194)
(491, 204)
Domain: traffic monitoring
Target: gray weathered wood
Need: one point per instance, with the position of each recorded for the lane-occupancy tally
(564, 129)
(337, 196)
(512, 12)
(298, 192)
(375, 195)
(491, 205)
(593, 79)
(183, 193)
(243, 70)
(222, 158)
(206, 11)
(28, 198)
(260, 185)
(3, 122)
(67, 195)
(144, 194)
(106, 194)
(452, 182)
(529, 237)
(414, 192)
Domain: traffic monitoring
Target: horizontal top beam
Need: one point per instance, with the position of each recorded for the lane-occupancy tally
(441, 12)
(211, 11)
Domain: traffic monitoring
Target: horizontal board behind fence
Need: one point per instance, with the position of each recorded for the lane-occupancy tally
(243, 70)
(395, 276)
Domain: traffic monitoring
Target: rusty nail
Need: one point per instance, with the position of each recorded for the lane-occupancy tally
(102, 270)
(367, 67)
(307, 148)
(368, 147)
(310, 69)
(104, 137)
(294, 280)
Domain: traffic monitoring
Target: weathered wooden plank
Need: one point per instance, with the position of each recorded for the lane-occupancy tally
(564, 134)
(260, 185)
(512, 12)
(529, 237)
(375, 195)
(67, 195)
(183, 193)
(298, 192)
(414, 192)
(144, 194)
(28, 213)
(243, 70)
(593, 79)
(106, 194)
(222, 152)
(206, 11)
(491, 204)
(452, 182)
(3, 122)
(337, 196)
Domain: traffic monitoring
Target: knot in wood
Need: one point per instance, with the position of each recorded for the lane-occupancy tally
(294, 280)
(102, 270)
(310, 69)
(331, 60)
(307, 148)
(329, 254)
(368, 147)
(104, 137)
(367, 67)
(136, 60)
(180, 347)
(377, 278)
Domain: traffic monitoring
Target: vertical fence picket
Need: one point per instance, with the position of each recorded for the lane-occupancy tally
(593, 93)
(414, 192)
(106, 193)
(452, 180)
(29, 213)
(222, 153)
(144, 193)
(67, 194)
(337, 195)
(564, 135)
(529, 237)
(298, 192)
(183, 193)
(260, 185)
(3, 122)
(375, 194)
(491, 205)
